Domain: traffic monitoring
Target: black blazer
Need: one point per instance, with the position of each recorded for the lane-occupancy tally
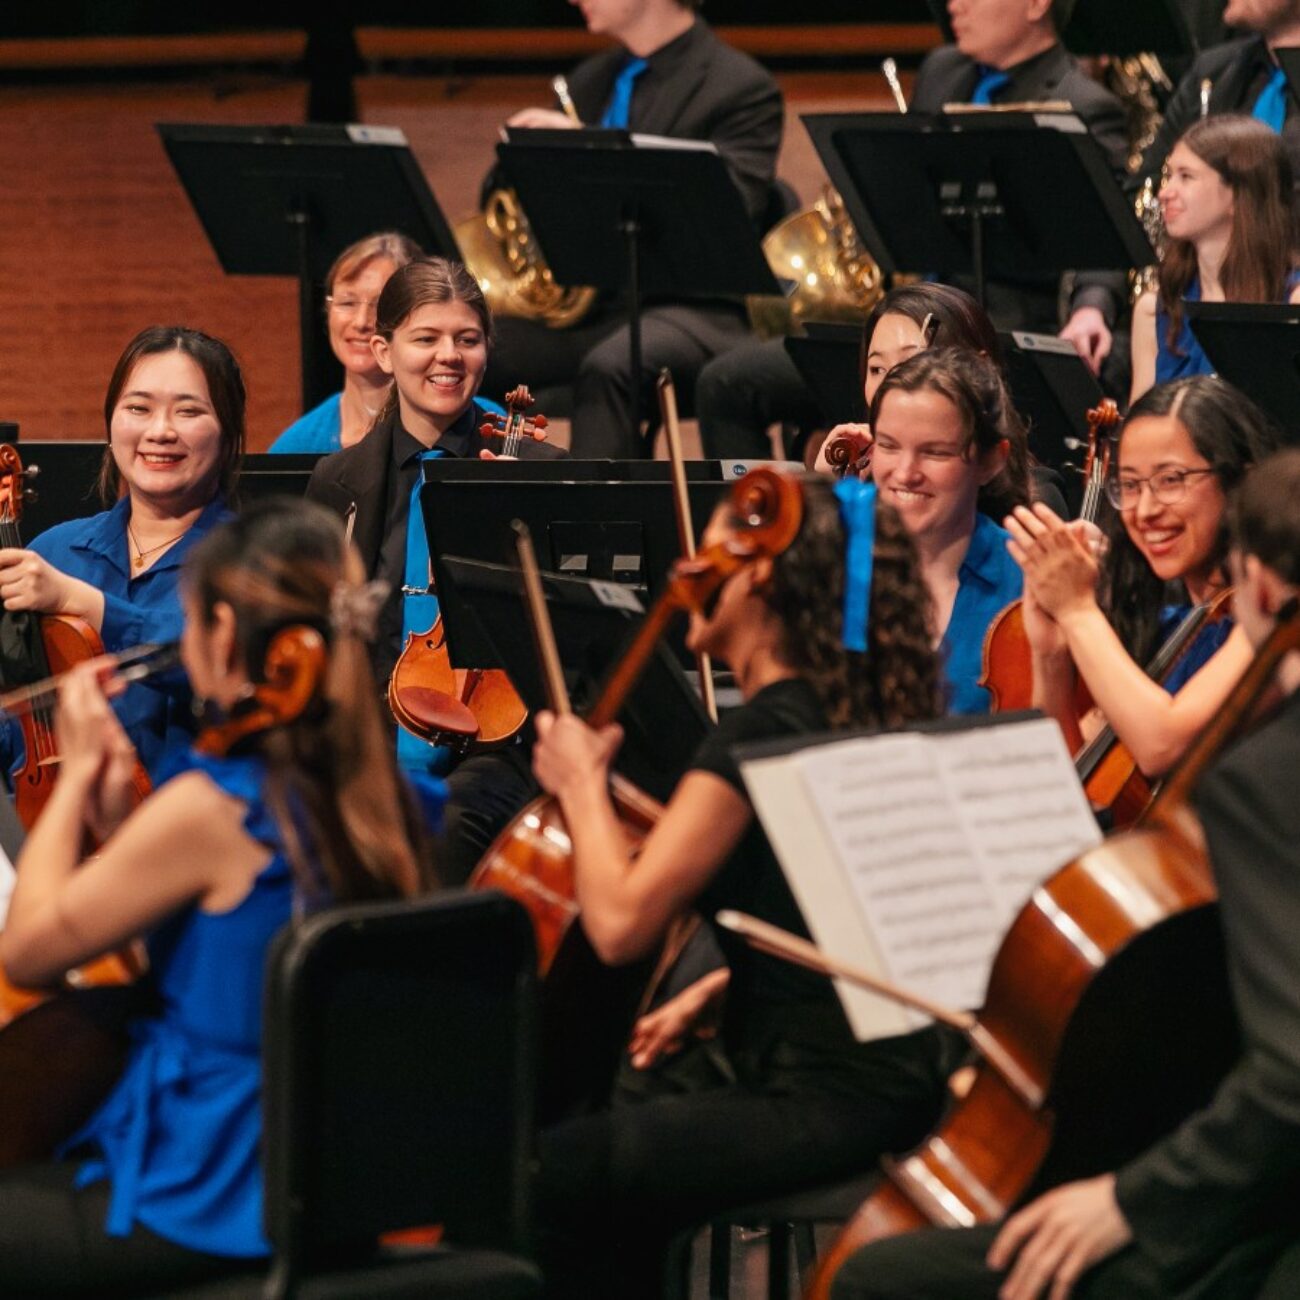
(1217, 1188)
(948, 76)
(354, 482)
(696, 88)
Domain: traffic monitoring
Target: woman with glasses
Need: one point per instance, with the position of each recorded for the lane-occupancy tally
(1182, 450)
(352, 289)
(1226, 204)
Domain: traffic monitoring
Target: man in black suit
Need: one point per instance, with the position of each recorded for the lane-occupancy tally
(1006, 51)
(668, 75)
(1211, 1209)
(1239, 73)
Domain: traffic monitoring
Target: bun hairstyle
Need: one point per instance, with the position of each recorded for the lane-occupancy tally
(897, 680)
(332, 782)
(225, 389)
(974, 385)
(955, 319)
(423, 281)
(1252, 161)
(1232, 434)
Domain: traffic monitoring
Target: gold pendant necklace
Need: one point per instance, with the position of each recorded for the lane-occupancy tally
(137, 560)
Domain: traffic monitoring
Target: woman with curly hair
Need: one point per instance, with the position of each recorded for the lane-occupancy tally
(1226, 203)
(809, 1102)
(1183, 449)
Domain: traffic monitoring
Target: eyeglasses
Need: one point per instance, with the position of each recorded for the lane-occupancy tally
(1167, 487)
(348, 306)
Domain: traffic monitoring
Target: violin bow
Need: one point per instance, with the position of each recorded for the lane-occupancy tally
(682, 505)
(539, 619)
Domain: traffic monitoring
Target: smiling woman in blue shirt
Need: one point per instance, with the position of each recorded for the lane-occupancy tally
(949, 454)
(174, 414)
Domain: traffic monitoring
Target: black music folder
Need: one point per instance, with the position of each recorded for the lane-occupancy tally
(644, 216)
(992, 194)
(286, 200)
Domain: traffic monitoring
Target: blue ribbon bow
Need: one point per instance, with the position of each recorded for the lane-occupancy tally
(858, 515)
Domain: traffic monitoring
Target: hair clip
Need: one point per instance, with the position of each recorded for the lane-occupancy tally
(354, 607)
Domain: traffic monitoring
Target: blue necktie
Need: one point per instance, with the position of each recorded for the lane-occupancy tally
(1270, 107)
(620, 99)
(991, 80)
(418, 614)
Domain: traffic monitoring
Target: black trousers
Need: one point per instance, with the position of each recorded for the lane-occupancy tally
(52, 1243)
(948, 1264)
(593, 357)
(740, 394)
(615, 1188)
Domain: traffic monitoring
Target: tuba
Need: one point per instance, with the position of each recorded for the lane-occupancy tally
(819, 253)
(497, 246)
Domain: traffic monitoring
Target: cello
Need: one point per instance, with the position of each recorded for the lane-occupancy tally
(62, 641)
(463, 708)
(1107, 1018)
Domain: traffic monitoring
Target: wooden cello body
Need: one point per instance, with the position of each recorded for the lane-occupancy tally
(1107, 1019)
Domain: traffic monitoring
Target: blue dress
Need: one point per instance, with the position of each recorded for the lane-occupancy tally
(989, 580)
(1187, 357)
(155, 713)
(179, 1137)
(1205, 645)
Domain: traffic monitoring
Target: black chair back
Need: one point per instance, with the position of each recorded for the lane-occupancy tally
(400, 1045)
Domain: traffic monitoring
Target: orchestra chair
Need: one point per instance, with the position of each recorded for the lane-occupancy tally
(788, 1220)
(399, 1063)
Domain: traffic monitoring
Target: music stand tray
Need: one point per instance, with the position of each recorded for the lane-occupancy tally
(286, 200)
(1255, 347)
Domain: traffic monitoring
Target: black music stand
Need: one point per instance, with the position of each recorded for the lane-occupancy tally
(828, 358)
(662, 717)
(1256, 347)
(286, 200)
(1053, 390)
(963, 193)
(647, 216)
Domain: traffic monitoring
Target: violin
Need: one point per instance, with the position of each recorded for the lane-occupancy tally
(1008, 671)
(463, 708)
(63, 641)
(1107, 1019)
(532, 859)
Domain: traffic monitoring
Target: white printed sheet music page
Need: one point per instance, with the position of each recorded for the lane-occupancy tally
(910, 853)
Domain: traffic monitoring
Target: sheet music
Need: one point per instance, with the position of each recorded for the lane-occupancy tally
(933, 841)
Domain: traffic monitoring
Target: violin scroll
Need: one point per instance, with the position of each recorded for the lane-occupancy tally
(295, 668)
(847, 452)
(516, 424)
